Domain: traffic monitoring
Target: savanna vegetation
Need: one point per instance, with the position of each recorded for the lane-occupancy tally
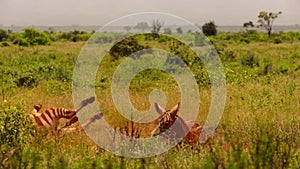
(259, 127)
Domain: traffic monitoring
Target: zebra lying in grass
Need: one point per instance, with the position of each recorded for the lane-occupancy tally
(51, 116)
(188, 130)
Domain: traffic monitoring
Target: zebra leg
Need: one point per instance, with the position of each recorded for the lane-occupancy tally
(73, 120)
(84, 103)
(91, 120)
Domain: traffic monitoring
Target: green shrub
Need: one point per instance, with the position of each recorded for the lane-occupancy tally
(15, 129)
(74, 36)
(21, 41)
(245, 40)
(250, 60)
(277, 40)
(26, 80)
(3, 35)
(287, 36)
(228, 55)
(83, 37)
(15, 124)
(37, 69)
(125, 48)
(35, 37)
(5, 44)
(258, 37)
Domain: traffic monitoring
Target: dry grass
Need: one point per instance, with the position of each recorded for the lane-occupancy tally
(263, 109)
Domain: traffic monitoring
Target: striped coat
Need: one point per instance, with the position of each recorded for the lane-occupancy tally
(51, 116)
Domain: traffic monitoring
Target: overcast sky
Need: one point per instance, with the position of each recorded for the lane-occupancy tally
(99, 12)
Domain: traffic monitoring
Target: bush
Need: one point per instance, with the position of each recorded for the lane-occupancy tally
(125, 48)
(75, 36)
(83, 37)
(4, 44)
(3, 35)
(21, 42)
(245, 40)
(35, 37)
(257, 37)
(209, 29)
(15, 130)
(18, 39)
(250, 60)
(277, 40)
(228, 55)
(15, 124)
(26, 80)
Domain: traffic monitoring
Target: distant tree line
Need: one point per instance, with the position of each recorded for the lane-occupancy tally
(33, 37)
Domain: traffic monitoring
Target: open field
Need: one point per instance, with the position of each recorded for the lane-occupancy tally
(259, 127)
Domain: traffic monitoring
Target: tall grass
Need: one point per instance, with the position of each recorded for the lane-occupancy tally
(259, 127)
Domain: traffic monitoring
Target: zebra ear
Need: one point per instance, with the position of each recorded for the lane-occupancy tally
(174, 110)
(159, 109)
(37, 108)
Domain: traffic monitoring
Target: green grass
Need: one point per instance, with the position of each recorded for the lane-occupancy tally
(259, 127)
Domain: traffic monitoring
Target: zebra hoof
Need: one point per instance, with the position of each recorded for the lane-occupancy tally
(88, 100)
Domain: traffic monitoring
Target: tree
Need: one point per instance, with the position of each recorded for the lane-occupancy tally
(168, 31)
(266, 20)
(248, 24)
(127, 28)
(209, 29)
(142, 26)
(3, 35)
(156, 26)
(51, 30)
(179, 30)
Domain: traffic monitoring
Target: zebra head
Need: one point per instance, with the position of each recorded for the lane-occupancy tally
(169, 119)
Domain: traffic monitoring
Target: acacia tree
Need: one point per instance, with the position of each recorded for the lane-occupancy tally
(156, 26)
(266, 20)
(248, 24)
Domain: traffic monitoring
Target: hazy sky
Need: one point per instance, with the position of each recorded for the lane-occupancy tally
(99, 12)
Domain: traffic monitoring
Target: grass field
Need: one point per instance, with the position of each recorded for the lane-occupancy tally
(259, 127)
